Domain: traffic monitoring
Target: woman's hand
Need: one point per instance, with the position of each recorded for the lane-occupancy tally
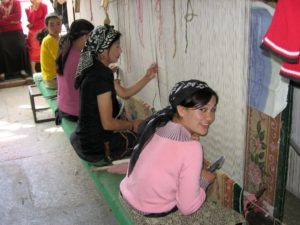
(205, 164)
(136, 124)
(210, 177)
(114, 67)
(195, 137)
(127, 92)
(151, 71)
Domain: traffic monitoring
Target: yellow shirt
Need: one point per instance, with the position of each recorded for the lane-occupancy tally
(49, 51)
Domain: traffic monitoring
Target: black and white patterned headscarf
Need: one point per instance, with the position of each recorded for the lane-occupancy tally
(179, 94)
(99, 40)
(184, 89)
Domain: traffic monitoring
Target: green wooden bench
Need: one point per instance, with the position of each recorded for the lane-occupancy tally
(43, 91)
(106, 183)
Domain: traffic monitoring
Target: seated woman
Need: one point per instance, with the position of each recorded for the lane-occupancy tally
(165, 177)
(97, 137)
(67, 60)
(49, 50)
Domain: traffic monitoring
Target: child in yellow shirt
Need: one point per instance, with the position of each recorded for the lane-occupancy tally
(49, 50)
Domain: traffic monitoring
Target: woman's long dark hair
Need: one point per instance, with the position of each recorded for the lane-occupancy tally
(78, 29)
(194, 99)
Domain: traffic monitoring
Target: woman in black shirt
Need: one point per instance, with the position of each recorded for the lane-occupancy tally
(97, 137)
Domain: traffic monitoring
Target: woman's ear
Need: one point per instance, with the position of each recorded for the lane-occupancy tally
(181, 110)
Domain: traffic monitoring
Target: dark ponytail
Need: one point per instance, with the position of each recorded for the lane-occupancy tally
(78, 28)
(65, 45)
(147, 130)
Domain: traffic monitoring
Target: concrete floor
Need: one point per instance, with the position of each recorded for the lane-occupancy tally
(42, 180)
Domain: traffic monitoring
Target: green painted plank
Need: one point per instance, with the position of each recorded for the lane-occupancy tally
(49, 94)
(108, 186)
(106, 183)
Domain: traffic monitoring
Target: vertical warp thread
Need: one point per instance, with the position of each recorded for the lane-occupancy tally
(155, 54)
(129, 39)
(140, 21)
(124, 25)
(91, 11)
(118, 14)
(160, 30)
(189, 16)
(174, 28)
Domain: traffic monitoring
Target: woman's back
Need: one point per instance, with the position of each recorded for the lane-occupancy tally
(68, 96)
(167, 173)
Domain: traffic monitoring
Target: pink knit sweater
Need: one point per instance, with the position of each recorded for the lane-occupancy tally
(167, 173)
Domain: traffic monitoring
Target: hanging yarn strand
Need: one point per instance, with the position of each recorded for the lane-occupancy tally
(118, 13)
(154, 9)
(189, 16)
(91, 11)
(129, 57)
(107, 19)
(140, 21)
(104, 4)
(160, 29)
(174, 29)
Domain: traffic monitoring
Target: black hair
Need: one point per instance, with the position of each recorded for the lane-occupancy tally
(78, 28)
(50, 16)
(196, 99)
(199, 98)
(41, 35)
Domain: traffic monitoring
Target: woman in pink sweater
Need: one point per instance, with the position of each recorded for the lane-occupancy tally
(67, 60)
(165, 177)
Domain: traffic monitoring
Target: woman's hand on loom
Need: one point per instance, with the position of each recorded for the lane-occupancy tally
(210, 177)
(136, 124)
(151, 71)
(195, 137)
(205, 164)
(114, 67)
